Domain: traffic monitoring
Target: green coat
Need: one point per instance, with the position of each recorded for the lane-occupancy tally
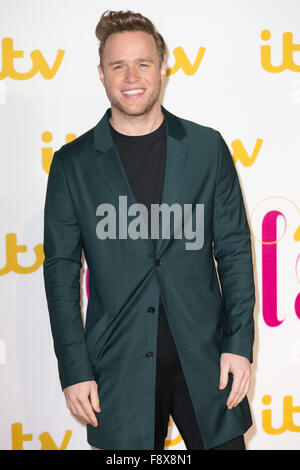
(125, 279)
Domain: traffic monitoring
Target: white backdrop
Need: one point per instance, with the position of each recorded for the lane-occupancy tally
(247, 86)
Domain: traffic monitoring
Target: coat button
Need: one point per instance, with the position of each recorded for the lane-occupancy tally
(149, 354)
(151, 309)
(157, 262)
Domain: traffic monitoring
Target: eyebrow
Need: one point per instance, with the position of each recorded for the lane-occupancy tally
(139, 59)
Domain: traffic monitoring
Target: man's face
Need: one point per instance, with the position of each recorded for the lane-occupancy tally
(131, 64)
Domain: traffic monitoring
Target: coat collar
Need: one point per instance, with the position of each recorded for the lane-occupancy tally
(109, 164)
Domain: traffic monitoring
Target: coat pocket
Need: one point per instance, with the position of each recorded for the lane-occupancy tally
(96, 339)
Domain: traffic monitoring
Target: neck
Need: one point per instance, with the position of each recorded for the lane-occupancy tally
(137, 125)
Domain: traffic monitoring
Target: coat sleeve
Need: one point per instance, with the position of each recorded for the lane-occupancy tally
(233, 253)
(61, 269)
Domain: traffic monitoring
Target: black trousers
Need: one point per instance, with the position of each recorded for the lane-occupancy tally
(172, 396)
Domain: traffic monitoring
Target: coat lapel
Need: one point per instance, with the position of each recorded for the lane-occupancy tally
(108, 162)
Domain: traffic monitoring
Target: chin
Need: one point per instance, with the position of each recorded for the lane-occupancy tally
(134, 110)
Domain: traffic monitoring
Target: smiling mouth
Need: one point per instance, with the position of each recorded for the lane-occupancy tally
(134, 93)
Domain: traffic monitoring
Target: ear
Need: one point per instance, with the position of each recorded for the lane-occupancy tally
(101, 74)
(163, 69)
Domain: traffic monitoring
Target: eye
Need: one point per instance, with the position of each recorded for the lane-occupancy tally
(144, 65)
(117, 67)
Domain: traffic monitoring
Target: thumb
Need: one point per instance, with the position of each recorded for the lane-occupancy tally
(95, 398)
(223, 376)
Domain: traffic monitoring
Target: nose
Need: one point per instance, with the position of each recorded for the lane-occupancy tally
(131, 74)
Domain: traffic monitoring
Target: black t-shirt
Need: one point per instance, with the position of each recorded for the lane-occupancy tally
(143, 158)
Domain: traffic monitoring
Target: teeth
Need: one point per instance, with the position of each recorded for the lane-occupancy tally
(133, 92)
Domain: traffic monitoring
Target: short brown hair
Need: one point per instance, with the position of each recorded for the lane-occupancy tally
(118, 21)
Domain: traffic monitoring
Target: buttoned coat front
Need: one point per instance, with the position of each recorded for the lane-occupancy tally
(126, 276)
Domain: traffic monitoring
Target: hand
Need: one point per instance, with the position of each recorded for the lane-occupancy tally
(240, 367)
(77, 398)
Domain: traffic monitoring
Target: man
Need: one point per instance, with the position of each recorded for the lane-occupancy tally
(160, 338)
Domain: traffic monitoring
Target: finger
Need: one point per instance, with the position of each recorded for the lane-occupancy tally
(244, 390)
(70, 403)
(88, 411)
(71, 407)
(235, 389)
(223, 376)
(237, 402)
(95, 399)
(79, 412)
